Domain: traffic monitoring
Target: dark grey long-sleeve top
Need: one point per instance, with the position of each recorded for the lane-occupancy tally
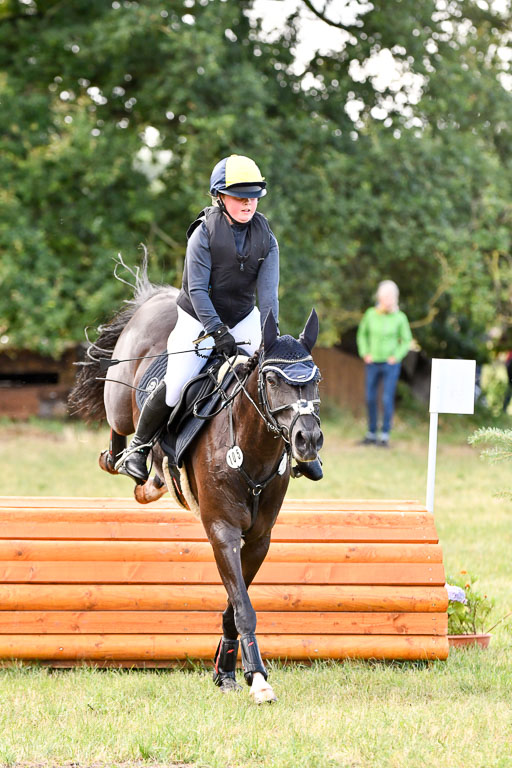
(198, 264)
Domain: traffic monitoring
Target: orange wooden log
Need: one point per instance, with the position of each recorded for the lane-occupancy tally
(206, 573)
(77, 502)
(92, 515)
(111, 551)
(289, 514)
(177, 551)
(293, 510)
(111, 580)
(205, 622)
(62, 530)
(213, 598)
(421, 529)
(143, 647)
(109, 663)
(390, 518)
(141, 514)
(167, 504)
(350, 505)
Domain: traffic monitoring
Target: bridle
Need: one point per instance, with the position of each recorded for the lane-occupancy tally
(301, 407)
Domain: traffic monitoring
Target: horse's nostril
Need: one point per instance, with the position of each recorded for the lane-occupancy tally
(300, 440)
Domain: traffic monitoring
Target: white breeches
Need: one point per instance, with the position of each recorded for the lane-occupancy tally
(183, 367)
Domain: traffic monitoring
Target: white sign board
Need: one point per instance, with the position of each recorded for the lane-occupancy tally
(452, 386)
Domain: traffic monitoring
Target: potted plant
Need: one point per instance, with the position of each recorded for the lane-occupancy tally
(468, 614)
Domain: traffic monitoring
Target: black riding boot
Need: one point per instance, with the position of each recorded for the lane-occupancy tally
(152, 418)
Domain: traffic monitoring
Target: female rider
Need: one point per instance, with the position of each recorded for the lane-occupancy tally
(231, 255)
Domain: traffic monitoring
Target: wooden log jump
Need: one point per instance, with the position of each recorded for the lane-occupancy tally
(110, 582)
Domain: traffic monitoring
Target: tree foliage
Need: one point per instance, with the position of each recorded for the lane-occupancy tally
(113, 114)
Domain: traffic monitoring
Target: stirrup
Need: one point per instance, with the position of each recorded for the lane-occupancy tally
(128, 451)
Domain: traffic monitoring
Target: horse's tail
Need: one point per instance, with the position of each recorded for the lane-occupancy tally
(86, 397)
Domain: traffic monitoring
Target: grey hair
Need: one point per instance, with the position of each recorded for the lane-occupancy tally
(390, 285)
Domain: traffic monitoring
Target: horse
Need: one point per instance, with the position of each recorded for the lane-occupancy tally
(271, 416)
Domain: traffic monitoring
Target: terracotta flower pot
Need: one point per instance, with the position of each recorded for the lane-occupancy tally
(457, 641)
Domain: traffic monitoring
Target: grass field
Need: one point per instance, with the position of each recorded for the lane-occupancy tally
(449, 714)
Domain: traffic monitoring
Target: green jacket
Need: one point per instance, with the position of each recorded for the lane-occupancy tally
(383, 335)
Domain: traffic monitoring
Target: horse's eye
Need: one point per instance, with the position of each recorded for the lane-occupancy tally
(272, 380)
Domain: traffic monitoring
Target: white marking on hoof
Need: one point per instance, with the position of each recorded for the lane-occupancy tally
(261, 691)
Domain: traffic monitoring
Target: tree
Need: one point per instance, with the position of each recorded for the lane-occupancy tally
(428, 201)
(117, 113)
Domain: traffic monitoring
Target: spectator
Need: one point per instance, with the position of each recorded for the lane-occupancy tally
(383, 340)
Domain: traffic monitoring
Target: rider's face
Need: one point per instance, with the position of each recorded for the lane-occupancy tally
(239, 208)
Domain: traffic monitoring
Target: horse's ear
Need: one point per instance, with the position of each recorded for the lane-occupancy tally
(310, 333)
(269, 330)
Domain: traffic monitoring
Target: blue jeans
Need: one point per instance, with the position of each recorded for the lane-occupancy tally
(375, 374)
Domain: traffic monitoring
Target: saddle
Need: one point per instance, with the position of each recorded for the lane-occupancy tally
(199, 399)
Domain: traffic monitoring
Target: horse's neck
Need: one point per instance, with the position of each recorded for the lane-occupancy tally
(252, 434)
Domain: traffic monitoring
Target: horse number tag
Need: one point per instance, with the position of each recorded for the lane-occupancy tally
(235, 457)
(282, 465)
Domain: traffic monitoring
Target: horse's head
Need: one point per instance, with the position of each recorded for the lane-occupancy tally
(288, 383)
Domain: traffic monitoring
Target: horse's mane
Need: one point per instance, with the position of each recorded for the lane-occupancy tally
(250, 364)
(86, 397)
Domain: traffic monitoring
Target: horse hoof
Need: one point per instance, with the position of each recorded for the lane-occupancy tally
(263, 695)
(105, 462)
(148, 492)
(230, 686)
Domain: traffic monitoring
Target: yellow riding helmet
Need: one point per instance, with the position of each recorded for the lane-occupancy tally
(238, 176)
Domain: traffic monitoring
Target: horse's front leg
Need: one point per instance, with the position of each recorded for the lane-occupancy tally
(226, 544)
(253, 555)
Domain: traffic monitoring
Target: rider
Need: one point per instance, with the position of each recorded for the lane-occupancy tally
(231, 255)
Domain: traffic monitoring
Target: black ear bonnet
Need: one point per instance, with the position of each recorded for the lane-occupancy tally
(289, 359)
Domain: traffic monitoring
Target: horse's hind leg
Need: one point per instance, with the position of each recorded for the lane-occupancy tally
(108, 458)
(154, 487)
(152, 490)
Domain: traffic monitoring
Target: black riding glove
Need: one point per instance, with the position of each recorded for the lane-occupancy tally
(224, 341)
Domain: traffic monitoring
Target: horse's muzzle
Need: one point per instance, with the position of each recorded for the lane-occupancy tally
(307, 440)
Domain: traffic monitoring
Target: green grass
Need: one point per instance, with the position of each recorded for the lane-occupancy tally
(449, 714)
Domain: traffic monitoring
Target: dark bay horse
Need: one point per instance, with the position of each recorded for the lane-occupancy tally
(273, 418)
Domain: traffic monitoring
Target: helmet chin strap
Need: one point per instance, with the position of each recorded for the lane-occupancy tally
(221, 204)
